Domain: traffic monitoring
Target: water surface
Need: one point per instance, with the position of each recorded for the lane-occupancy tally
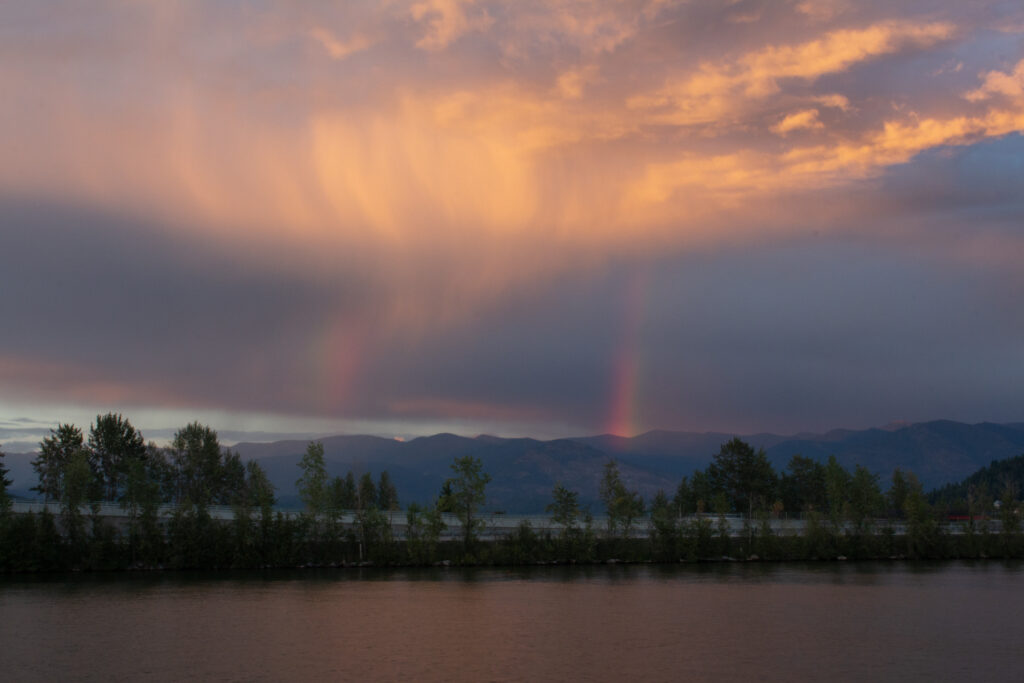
(835, 621)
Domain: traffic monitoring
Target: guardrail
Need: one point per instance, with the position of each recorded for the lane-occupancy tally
(499, 525)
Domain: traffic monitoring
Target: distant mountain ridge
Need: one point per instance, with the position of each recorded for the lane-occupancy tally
(525, 470)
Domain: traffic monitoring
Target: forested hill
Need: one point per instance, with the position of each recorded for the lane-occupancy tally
(524, 471)
(938, 452)
(990, 482)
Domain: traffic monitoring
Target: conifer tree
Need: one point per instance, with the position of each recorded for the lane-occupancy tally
(312, 484)
(55, 453)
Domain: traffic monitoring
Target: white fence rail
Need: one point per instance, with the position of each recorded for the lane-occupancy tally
(497, 526)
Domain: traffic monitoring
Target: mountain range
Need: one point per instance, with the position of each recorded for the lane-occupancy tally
(524, 471)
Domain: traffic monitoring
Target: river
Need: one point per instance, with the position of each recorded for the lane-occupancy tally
(727, 622)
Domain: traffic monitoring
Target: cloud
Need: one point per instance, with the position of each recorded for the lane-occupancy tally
(338, 49)
(460, 162)
(439, 219)
(750, 173)
(719, 92)
(833, 100)
(1009, 85)
(821, 10)
(834, 52)
(807, 118)
(484, 167)
(728, 179)
(572, 82)
(446, 21)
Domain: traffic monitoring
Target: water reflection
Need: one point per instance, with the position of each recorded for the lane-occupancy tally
(730, 621)
(835, 573)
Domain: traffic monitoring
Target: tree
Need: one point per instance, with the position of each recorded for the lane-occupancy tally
(922, 529)
(199, 467)
(700, 537)
(141, 499)
(374, 532)
(251, 539)
(259, 490)
(79, 488)
(703, 495)
(113, 445)
(745, 475)
(232, 480)
(522, 545)
(866, 499)
(5, 500)
(664, 527)
(446, 498)
(802, 485)
(160, 463)
(467, 495)
(414, 534)
(350, 494)
(373, 526)
(896, 497)
(312, 484)
(978, 503)
(387, 494)
(1009, 519)
(622, 505)
(367, 493)
(423, 531)
(611, 488)
(837, 491)
(685, 502)
(55, 452)
(342, 494)
(564, 508)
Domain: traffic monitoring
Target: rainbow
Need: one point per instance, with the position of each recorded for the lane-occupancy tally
(337, 353)
(622, 417)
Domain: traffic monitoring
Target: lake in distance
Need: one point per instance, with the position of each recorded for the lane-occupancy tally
(721, 622)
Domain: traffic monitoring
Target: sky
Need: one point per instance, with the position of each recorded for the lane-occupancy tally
(542, 218)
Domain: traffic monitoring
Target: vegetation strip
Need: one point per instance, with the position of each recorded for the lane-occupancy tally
(345, 522)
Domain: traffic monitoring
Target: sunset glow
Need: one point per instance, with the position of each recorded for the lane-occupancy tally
(428, 210)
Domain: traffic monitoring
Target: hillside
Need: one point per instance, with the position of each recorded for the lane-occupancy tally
(524, 470)
(991, 483)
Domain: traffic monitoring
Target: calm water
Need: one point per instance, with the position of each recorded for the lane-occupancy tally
(836, 622)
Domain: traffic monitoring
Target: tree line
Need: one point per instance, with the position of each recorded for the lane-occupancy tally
(845, 514)
(344, 520)
(347, 520)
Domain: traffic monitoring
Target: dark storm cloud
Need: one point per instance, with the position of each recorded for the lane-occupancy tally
(94, 293)
(809, 335)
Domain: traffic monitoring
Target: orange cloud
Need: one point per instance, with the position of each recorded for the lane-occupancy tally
(27, 378)
(999, 83)
(834, 52)
(749, 174)
(339, 49)
(833, 100)
(477, 165)
(446, 21)
(807, 118)
(718, 92)
(571, 83)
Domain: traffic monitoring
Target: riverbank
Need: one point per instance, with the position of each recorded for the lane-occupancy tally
(43, 543)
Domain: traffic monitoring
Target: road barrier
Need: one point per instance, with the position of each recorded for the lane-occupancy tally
(500, 525)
